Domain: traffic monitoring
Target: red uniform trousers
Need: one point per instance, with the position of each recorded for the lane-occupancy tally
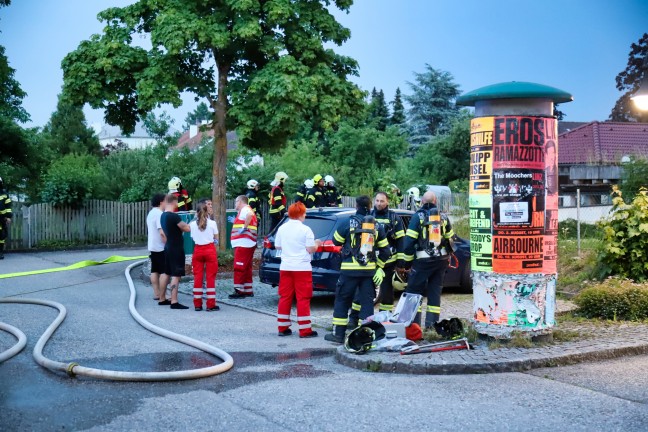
(243, 270)
(204, 260)
(299, 285)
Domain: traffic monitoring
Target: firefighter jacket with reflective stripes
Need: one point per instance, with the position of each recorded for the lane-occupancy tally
(277, 201)
(253, 201)
(300, 196)
(333, 197)
(249, 233)
(354, 263)
(393, 226)
(184, 202)
(5, 207)
(316, 197)
(416, 237)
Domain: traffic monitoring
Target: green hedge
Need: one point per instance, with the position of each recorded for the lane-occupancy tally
(614, 299)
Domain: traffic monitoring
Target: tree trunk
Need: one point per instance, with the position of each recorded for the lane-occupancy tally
(219, 166)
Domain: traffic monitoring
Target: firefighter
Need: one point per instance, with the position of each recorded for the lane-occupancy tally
(428, 245)
(413, 198)
(317, 195)
(302, 193)
(364, 252)
(253, 198)
(393, 227)
(332, 195)
(277, 199)
(5, 217)
(184, 201)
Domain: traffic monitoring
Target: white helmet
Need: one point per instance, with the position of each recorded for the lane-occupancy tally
(414, 192)
(329, 179)
(251, 184)
(309, 183)
(281, 177)
(174, 184)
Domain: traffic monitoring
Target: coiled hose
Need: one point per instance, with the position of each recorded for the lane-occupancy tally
(74, 369)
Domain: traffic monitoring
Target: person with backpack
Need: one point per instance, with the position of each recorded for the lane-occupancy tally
(277, 199)
(365, 250)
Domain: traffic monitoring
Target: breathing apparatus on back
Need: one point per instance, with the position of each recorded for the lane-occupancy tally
(432, 239)
(362, 233)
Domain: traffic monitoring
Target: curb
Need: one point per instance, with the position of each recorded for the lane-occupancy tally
(394, 363)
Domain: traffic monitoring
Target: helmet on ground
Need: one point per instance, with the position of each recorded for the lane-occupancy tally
(174, 184)
(399, 281)
(251, 184)
(309, 183)
(281, 177)
(361, 339)
(317, 178)
(329, 179)
(414, 192)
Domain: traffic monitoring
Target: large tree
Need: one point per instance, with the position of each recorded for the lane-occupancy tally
(432, 104)
(67, 131)
(628, 82)
(398, 109)
(261, 65)
(378, 113)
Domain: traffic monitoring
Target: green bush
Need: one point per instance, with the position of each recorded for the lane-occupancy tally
(625, 240)
(614, 299)
(71, 180)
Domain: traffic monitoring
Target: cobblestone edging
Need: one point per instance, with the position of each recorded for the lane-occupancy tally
(483, 360)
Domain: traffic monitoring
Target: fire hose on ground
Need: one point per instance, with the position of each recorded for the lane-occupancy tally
(74, 369)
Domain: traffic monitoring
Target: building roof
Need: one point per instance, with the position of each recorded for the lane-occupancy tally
(191, 142)
(566, 126)
(603, 143)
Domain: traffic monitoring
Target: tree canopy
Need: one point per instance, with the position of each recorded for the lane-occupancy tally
(629, 80)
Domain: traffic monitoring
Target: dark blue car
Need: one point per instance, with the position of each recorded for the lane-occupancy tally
(326, 261)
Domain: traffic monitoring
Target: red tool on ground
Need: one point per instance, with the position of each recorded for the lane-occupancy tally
(459, 344)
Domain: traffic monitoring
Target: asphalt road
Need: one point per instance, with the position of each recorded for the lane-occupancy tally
(277, 384)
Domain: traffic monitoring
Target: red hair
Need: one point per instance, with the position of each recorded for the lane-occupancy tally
(297, 210)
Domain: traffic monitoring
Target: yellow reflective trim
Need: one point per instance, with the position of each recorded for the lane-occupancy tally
(338, 237)
(434, 309)
(385, 307)
(408, 257)
(399, 234)
(449, 234)
(383, 243)
(355, 306)
(413, 234)
(356, 266)
(340, 321)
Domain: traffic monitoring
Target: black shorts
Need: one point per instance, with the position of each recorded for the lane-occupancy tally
(157, 262)
(174, 262)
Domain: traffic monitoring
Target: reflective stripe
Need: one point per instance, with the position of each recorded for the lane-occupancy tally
(213, 296)
(340, 321)
(246, 290)
(408, 258)
(449, 234)
(355, 266)
(412, 233)
(385, 307)
(399, 234)
(338, 237)
(283, 316)
(304, 326)
(383, 243)
(434, 309)
(355, 306)
(304, 318)
(420, 308)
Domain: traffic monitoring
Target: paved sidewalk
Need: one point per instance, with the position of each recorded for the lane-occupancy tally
(595, 341)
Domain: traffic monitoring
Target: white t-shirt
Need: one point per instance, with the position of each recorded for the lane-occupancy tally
(244, 242)
(155, 242)
(293, 237)
(203, 237)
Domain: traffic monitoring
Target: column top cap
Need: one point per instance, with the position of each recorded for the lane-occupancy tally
(514, 90)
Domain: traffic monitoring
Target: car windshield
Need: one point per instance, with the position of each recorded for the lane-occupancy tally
(321, 227)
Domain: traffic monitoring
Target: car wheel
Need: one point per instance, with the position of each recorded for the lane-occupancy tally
(466, 280)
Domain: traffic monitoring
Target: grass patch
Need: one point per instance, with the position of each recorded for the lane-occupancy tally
(614, 299)
(575, 272)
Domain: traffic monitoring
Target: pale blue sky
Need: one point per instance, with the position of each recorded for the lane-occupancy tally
(575, 45)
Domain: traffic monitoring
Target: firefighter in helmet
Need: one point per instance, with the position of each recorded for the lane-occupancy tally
(428, 246)
(413, 198)
(365, 250)
(252, 194)
(5, 217)
(317, 196)
(277, 199)
(393, 227)
(302, 193)
(333, 197)
(176, 188)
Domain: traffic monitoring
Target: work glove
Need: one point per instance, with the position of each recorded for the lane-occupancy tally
(241, 230)
(379, 276)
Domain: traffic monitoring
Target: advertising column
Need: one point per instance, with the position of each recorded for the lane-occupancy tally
(513, 223)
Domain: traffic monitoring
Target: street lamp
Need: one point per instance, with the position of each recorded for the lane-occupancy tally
(640, 98)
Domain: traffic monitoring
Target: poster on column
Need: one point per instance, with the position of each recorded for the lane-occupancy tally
(518, 189)
(551, 200)
(481, 246)
(481, 160)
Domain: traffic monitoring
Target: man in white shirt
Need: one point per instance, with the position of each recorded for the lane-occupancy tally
(156, 242)
(295, 242)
